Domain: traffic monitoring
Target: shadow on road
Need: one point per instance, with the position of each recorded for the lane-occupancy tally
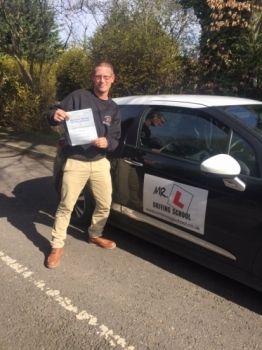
(34, 201)
(203, 277)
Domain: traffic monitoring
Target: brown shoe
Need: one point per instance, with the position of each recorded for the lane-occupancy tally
(54, 258)
(102, 242)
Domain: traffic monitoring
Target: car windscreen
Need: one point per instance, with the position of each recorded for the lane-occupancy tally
(250, 115)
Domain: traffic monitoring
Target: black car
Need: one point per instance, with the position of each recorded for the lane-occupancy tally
(190, 183)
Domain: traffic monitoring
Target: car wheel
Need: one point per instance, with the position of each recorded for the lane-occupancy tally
(84, 207)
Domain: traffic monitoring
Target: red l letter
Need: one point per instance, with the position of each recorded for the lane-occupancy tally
(176, 200)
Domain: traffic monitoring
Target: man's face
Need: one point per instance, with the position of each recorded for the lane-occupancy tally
(103, 79)
(157, 121)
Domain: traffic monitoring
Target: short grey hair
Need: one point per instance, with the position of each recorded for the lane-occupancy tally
(103, 64)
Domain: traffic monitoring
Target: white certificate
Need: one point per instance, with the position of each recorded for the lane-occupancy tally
(81, 127)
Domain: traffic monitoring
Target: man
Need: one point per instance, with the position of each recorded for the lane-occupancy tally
(152, 119)
(88, 161)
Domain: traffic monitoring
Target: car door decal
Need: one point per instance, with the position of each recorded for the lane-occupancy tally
(177, 203)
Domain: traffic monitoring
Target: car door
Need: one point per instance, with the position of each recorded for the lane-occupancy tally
(165, 196)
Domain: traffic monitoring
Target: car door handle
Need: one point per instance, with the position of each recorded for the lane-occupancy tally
(132, 162)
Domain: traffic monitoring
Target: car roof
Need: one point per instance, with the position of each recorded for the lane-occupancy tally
(195, 101)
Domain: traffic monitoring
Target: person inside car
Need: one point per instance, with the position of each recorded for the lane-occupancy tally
(152, 119)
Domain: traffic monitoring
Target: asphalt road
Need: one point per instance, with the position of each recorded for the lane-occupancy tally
(137, 296)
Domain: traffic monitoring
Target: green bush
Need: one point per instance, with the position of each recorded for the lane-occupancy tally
(24, 107)
(73, 72)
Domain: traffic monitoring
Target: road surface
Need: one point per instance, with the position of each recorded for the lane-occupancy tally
(137, 296)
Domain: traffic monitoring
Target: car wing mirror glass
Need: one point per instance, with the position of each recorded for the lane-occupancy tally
(221, 165)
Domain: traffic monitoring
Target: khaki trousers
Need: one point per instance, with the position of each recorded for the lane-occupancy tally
(76, 174)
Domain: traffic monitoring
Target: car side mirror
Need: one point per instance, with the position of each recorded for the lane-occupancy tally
(221, 165)
(225, 167)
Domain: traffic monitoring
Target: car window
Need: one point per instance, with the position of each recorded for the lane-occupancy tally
(250, 115)
(183, 132)
(129, 111)
(242, 151)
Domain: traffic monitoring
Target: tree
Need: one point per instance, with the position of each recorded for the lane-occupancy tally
(136, 39)
(230, 45)
(181, 24)
(73, 72)
(29, 34)
(77, 18)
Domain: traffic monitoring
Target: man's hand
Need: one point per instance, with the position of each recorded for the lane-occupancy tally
(101, 142)
(60, 115)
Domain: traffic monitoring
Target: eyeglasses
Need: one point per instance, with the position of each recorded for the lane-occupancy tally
(100, 77)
